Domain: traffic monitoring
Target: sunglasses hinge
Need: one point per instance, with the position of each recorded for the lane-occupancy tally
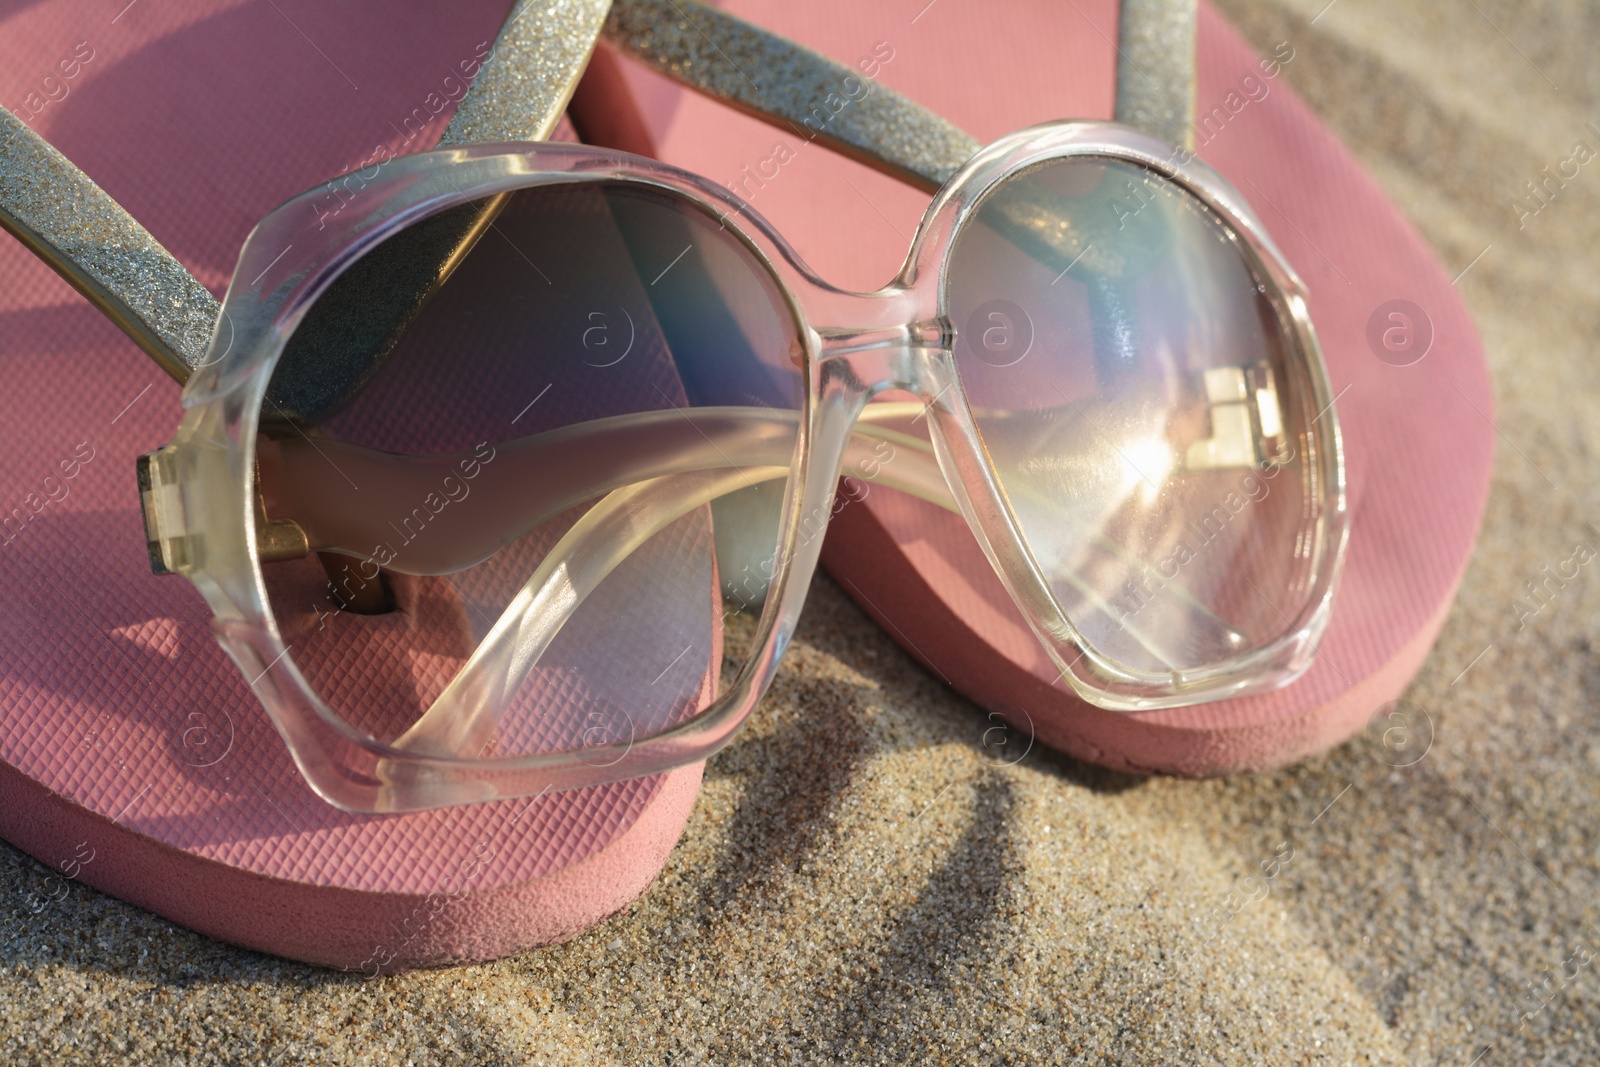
(161, 501)
(173, 547)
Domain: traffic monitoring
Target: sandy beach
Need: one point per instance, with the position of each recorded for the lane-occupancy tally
(870, 876)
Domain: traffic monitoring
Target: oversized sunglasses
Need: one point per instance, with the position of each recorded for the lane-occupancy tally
(509, 472)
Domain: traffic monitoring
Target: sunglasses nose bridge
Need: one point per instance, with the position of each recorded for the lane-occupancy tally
(877, 359)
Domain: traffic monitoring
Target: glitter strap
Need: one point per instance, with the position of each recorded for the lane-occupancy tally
(791, 87)
(799, 90)
(63, 217)
(519, 94)
(68, 221)
(525, 84)
(1156, 69)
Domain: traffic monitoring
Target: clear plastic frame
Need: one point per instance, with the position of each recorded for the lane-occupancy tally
(1058, 538)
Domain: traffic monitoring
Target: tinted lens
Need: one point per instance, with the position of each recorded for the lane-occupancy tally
(1146, 413)
(510, 471)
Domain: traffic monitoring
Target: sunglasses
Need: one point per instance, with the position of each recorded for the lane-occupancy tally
(509, 471)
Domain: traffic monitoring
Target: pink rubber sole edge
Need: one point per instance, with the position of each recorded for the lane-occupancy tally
(368, 932)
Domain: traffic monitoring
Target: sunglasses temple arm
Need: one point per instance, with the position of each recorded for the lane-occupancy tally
(482, 501)
(462, 719)
(60, 215)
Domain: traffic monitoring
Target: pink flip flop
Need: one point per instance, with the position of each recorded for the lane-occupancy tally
(133, 756)
(1405, 361)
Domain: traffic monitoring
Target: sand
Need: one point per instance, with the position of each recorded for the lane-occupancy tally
(863, 881)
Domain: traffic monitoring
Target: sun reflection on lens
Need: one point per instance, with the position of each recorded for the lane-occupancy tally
(1149, 462)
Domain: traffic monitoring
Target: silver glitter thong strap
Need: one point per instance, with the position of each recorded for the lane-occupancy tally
(791, 87)
(519, 95)
(67, 220)
(814, 97)
(1155, 68)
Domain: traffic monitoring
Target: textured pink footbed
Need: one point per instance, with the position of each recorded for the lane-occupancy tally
(1418, 438)
(125, 733)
